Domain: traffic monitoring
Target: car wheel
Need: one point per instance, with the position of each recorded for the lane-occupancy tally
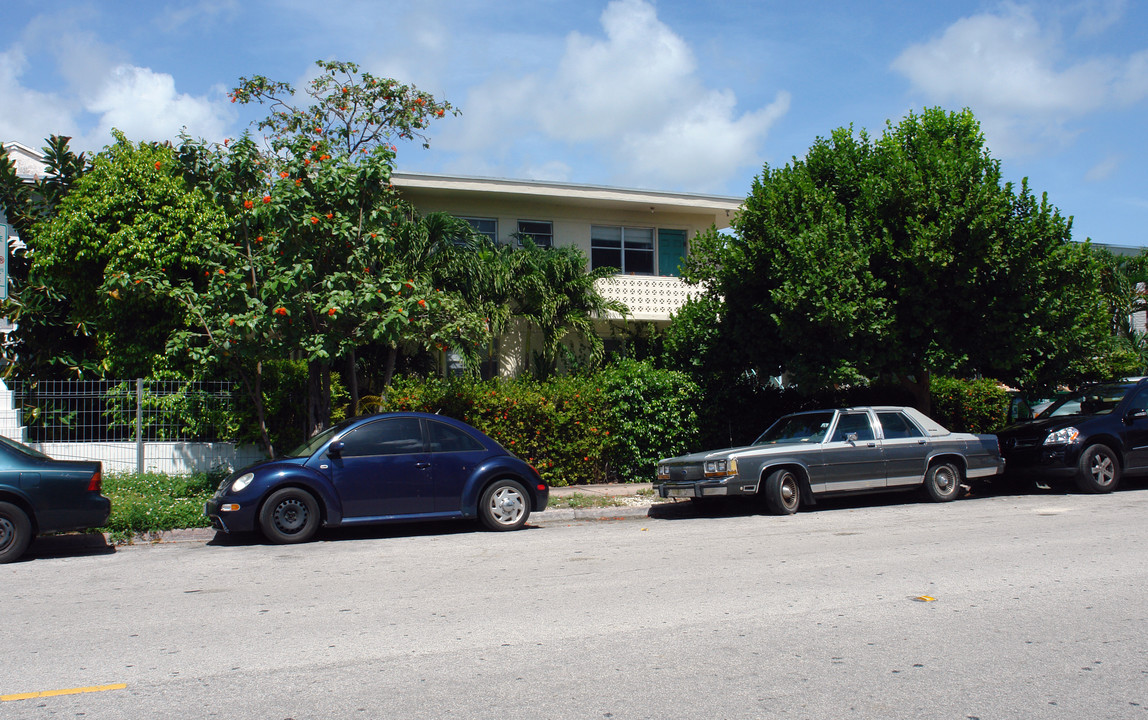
(1098, 470)
(15, 532)
(782, 492)
(289, 515)
(942, 482)
(504, 506)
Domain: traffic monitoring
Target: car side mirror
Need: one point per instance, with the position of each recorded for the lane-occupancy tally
(335, 448)
(1135, 414)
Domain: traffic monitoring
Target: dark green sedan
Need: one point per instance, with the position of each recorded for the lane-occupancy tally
(41, 495)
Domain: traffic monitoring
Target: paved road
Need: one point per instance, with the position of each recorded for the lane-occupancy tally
(1038, 610)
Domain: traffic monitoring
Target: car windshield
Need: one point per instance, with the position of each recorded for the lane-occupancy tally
(1094, 400)
(803, 428)
(308, 448)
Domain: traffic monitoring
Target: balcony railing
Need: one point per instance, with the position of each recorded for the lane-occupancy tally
(648, 297)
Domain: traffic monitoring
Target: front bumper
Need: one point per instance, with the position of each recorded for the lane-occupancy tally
(229, 521)
(706, 488)
(1047, 461)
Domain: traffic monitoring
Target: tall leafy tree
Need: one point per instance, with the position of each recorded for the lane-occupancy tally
(900, 257)
(48, 341)
(332, 206)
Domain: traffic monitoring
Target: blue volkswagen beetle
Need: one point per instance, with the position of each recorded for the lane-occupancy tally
(377, 469)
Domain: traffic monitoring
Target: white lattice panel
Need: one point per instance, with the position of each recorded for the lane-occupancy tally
(648, 297)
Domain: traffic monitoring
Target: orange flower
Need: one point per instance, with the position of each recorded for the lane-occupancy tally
(298, 183)
(314, 148)
(259, 239)
(324, 157)
(248, 204)
(280, 311)
(330, 215)
(283, 174)
(423, 303)
(332, 311)
(266, 199)
(314, 220)
(231, 321)
(440, 112)
(222, 271)
(157, 164)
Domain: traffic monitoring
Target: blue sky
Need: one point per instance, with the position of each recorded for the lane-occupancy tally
(685, 95)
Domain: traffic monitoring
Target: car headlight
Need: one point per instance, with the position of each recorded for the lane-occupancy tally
(1065, 436)
(242, 481)
(721, 468)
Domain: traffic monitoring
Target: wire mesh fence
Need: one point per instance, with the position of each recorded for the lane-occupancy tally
(126, 410)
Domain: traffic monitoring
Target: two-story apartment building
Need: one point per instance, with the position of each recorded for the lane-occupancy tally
(644, 233)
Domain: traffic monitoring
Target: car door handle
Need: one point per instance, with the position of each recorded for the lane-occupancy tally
(422, 465)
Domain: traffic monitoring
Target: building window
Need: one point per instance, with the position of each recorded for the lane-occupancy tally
(540, 232)
(487, 227)
(631, 250)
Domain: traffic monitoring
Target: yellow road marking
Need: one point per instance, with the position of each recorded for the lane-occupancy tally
(69, 691)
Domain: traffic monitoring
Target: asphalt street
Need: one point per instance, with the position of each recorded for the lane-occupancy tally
(990, 607)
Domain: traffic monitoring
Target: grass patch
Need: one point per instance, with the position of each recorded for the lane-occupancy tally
(154, 502)
(578, 500)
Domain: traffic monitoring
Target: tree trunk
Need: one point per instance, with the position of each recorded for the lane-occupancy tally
(389, 369)
(318, 396)
(353, 381)
(254, 386)
(919, 384)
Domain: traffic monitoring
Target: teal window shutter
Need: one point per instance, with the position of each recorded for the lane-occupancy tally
(671, 251)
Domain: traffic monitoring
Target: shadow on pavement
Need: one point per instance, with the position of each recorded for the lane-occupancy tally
(746, 506)
(373, 532)
(68, 545)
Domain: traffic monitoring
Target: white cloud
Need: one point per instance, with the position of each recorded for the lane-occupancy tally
(99, 90)
(146, 106)
(29, 116)
(1018, 78)
(1104, 169)
(630, 98)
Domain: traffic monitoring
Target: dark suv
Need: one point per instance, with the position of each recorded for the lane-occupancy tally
(1093, 435)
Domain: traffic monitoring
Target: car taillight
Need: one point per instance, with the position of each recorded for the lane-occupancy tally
(96, 484)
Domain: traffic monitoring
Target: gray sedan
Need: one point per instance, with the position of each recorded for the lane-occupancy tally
(830, 452)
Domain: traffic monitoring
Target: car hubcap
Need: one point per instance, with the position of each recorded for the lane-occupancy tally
(944, 480)
(507, 505)
(7, 532)
(789, 492)
(290, 516)
(1102, 470)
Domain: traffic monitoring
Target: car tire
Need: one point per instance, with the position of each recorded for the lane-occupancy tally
(1098, 470)
(15, 532)
(290, 515)
(782, 492)
(942, 482)
(505, 505)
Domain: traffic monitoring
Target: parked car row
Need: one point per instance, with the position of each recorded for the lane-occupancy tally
(415, 466)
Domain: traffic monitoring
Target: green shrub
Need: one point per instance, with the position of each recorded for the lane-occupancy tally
(979, 406)
(651, 414)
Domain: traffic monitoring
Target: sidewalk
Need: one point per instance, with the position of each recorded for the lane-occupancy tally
(611, 490)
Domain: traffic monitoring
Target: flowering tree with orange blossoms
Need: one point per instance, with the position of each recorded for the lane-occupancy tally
(304, 267)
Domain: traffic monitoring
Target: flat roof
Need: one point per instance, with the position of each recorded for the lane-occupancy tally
(568, 193)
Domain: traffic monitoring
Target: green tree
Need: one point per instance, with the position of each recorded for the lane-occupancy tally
(901, 257)
(331, 206)
(556, 295)
(47, 343)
